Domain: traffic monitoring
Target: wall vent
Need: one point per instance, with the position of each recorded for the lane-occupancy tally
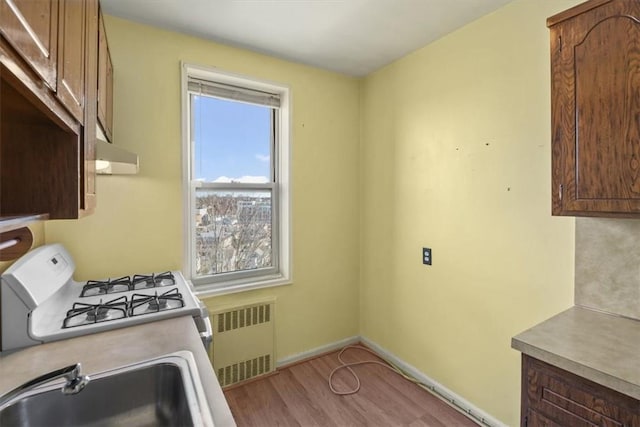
(243, 342)
(244, 370)
(248, 316)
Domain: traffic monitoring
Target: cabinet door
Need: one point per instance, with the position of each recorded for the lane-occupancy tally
(553, 397)
(596, 111)
(535, 419)
(105, 83)
(88, 186)
(31, 27)
(71, 56)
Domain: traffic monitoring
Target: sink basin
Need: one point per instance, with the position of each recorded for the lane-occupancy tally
(165, 391)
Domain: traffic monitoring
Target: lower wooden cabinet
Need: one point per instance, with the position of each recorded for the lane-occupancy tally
(534, 418)
(553, 397)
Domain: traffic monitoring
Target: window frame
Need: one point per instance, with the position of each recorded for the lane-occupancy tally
(238, 281)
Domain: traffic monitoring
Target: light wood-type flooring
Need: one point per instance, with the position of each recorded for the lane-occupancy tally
(299, 395)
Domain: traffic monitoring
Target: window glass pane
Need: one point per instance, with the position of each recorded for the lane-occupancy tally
(231, 141)
(233, 231)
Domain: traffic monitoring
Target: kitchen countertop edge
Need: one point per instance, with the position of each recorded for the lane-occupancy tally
(554, 342)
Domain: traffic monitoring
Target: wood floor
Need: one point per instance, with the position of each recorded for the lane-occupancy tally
(299, 395)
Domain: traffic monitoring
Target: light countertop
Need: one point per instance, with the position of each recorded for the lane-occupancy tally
(116, 348)
(597, 346)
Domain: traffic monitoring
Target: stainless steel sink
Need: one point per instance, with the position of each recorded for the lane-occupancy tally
(160, 392)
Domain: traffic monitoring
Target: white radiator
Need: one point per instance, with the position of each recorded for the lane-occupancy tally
(243, 341)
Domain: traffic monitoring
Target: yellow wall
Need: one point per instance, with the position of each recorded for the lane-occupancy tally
(456, 156)
(138, 223)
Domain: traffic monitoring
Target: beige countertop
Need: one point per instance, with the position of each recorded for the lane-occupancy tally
(597, 346)
(112, 349)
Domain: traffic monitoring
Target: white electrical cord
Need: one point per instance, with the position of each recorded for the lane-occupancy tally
(347, 366)
(394, 368)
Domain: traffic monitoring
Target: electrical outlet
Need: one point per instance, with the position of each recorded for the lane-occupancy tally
(426, 256)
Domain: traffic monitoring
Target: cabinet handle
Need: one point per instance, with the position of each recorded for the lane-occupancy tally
(560, 191)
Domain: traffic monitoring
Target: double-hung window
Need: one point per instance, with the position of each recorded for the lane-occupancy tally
(237, 181)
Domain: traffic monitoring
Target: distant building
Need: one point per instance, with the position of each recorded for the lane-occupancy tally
(256, 211)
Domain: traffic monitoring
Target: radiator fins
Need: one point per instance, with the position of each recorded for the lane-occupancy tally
(243, 342)
(240, 318)
(244, 370)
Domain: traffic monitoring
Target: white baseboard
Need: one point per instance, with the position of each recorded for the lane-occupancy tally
(317, 351)
(478, 415)
(438, 389)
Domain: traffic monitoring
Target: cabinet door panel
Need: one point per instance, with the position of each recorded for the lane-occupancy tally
(608, 111)
(71, 57)
(31, 27)
(595, 58)
(109, 112)
(557, 397)
(88, 190)
(535, 419)
(105, 83)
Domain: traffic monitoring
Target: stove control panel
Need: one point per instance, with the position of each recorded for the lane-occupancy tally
(57, 263)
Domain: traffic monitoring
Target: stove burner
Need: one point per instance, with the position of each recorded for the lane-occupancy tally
(83, 314)
(144, 304)
(101, 287)
(142, 281)
(97, 314)
(158, 304)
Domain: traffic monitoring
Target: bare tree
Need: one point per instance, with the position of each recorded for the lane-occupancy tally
(233, 233)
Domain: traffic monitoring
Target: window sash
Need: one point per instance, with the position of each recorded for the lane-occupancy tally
(272, 186)
(275, 233)
(233, 186)
(274, 135)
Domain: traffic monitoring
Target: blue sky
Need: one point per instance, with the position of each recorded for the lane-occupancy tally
(232, 139)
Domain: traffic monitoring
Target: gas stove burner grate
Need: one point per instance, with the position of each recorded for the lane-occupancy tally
(143, 281)
(109, 286)
(84, 314)
(146, 304)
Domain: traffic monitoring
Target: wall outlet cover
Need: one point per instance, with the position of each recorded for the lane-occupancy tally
(426, 256)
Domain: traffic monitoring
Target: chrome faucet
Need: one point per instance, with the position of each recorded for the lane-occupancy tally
(75, 383)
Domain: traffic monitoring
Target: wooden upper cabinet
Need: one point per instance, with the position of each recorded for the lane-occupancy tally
(71, 56)
(31, 27)
(48, 118)
(595, 92)
(105, 82)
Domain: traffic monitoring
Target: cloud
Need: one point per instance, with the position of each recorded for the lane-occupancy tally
(248, 179)
(263, 158)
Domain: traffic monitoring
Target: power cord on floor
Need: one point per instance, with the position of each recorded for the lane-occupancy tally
(388, 365)
(385, 363)
(348, 366)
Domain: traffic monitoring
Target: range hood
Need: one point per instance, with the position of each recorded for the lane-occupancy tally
(113, 160)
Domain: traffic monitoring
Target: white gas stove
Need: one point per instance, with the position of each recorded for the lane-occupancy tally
(41, 302)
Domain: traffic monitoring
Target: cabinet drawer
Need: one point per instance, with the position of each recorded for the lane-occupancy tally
(569, 400)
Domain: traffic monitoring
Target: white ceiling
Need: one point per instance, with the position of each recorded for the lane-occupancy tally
(352, 37)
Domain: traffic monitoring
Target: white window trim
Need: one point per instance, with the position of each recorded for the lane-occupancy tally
(283, 178)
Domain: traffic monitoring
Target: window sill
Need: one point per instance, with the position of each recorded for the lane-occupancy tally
(217, 289)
